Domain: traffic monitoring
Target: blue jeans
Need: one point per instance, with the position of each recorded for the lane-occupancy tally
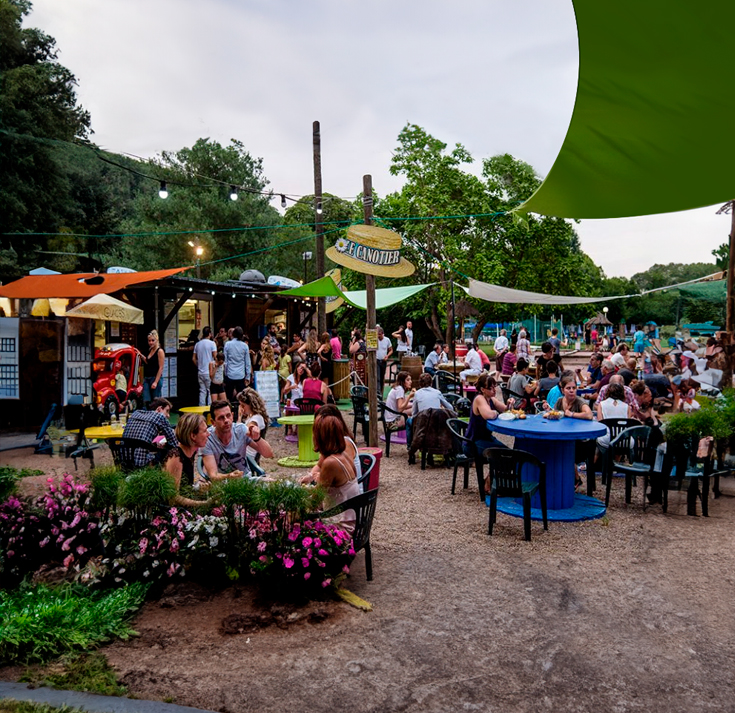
(150, 393)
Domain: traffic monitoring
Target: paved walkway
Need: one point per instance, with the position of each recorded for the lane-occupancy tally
(89, 701)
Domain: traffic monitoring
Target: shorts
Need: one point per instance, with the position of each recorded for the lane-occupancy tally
(216, 388)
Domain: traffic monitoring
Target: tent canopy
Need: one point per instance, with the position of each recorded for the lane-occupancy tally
(107, 308)
(652, 121)
(82, 284)
(385, 297)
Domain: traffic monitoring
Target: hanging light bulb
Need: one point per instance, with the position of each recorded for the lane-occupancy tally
(318, 207)
(233, 193)
(162, 192)
(283, 201)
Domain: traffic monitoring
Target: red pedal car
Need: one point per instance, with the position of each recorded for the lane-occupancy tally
(117, 379)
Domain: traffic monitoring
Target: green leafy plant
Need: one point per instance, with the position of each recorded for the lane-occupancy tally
(146, 491)
(89, 672)
(8, 482)
(106, 482)
(39, 623)
(8, 705)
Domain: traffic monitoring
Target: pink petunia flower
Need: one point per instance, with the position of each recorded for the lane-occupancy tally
(288, 562)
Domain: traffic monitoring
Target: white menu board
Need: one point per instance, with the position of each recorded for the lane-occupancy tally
(266, 384)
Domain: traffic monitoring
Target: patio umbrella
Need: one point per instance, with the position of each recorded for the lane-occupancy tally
(107, 308)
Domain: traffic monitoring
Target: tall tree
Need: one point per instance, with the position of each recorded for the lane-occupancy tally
(38, 105)
(198, 181)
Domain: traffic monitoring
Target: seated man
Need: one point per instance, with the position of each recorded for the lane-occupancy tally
(621, 356)
(226, 449)
(147, 425)
(522, 384)
(629, 395)
(472, 362)
(434, 359)
(547, 383)
(591, 378)
(547, 356)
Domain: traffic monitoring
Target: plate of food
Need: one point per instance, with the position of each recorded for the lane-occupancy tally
(553, 415)
(507, 416)
(519, 413)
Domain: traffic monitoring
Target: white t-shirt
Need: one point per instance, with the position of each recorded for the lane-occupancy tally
(298, 392)
(204, 350)
(501, 343)
(397, 392)
(260, 423)
(618, 360)
(384, 345)
(472, 361)
(409, 338)
(232, 456)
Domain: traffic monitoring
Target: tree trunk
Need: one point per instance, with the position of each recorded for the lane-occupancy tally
(477, 331)
(435, 324)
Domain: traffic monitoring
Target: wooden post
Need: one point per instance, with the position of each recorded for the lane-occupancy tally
(452, 332)
(319, 226)
(372, 360)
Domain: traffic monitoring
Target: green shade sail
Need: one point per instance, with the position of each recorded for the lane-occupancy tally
(715, 291)
(385, 297)
(651, 130)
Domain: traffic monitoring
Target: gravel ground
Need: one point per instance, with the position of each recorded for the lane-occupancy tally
(630, 612)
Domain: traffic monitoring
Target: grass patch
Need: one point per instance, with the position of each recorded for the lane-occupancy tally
(40, 623)
(77, 672)
(9, 478)
(8, 705)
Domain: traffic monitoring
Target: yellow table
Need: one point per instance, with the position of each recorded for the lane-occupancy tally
(204, 410)
(113, 431)
(454, 366)
(307, 456)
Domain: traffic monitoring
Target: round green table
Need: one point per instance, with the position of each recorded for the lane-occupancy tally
(307, 457)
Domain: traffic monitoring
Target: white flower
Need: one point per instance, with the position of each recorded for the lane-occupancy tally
(342, 244)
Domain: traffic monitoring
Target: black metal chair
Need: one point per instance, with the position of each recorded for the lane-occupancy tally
(307, 407)
(635, 445)
(521, 401)
(458, 428)
(447, 382)
(363, 506)
(367, 463)
(359, 398)
(505, 469)
(124, 451)
(390, 427)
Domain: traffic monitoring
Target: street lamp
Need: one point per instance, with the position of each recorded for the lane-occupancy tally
(198, 251)
(307, 257)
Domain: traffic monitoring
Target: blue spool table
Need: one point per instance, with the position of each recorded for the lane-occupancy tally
(553, 443)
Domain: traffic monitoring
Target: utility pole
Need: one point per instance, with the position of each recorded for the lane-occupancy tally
(319, 225)
(372, 360)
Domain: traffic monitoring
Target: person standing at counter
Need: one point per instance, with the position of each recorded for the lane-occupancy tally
(153, 368)
(336, 343)
(382, 354)
(237, 364)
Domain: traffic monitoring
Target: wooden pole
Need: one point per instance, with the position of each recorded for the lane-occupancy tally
(730, 321)
(452, 332)
(319, 226)
(372, 360)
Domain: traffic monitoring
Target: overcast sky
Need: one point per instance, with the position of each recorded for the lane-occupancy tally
(498, 76)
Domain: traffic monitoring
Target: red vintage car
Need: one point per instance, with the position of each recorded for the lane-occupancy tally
(117, 379)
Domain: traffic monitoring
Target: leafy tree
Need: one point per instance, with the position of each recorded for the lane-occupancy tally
(722, 256)
(195, 201)
(37, 100)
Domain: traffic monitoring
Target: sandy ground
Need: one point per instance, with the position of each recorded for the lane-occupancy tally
(632, 612)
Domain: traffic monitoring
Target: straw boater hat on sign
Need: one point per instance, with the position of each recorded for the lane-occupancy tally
(372, 250)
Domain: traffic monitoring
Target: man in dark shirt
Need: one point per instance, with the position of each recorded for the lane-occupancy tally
(147, 425)
(547, 355)
(555, 341)
(594, 372)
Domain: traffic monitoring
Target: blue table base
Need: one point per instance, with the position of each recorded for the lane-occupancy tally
(584, 508)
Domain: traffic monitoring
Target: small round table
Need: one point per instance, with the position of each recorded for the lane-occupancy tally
(204, 410)
(552, 442)
(111, 431)
(307, 457)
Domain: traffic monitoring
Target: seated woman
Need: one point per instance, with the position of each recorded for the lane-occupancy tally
(252, 410)
(571, 404)
(614, 406)
(486, 406)
(293, 388)
(399, 397)
(509, 361)
(313, 387)
(192, 434)
(335, 470)
(645, 412)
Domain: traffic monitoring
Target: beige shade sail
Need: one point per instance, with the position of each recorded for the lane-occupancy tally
(107, 308)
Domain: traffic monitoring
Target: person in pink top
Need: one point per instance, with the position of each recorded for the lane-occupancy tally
(336, 343)
(314, 387)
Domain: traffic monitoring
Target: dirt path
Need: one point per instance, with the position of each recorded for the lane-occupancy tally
(625, 614)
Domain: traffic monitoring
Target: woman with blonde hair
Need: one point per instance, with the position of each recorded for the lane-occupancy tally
(309, 351)
(153, 368)
(267, 360)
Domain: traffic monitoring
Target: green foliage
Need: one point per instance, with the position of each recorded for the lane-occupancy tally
(236, 492)
(145, 491)
(8, 705)
(106, 482)
(282, 496)
(40, 623)
(709, 420)
(8, 482)
(77, 672)
(722, 256)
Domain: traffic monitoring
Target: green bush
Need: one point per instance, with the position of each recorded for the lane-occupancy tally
(77, 672)
(106, 482)
(281, 496)
(146, 491)
(8, 482)
(40, 623)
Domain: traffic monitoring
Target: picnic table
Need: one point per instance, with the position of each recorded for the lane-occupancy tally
(552, 441)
